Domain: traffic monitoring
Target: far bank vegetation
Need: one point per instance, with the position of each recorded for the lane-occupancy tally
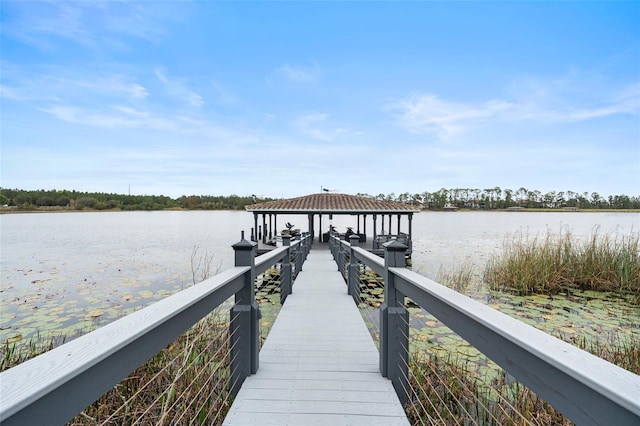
(459, 198)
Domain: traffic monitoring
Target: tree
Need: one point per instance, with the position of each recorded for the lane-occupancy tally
(508, 198)
(521, 195)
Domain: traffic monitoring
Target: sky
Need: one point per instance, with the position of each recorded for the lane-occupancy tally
(282, 99)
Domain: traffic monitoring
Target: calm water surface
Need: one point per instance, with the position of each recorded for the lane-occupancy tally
(67, 272)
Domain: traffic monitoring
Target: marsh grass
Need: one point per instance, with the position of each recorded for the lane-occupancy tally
(185, 383)
(445, 390)
(459, 279)
(557, 264)
(13, 353)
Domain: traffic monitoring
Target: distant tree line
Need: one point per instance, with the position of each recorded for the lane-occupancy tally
(497, 198)
(489, 199)
(74, 200)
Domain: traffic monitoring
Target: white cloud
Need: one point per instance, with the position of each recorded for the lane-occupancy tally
(56, 84)
(178, 88)
(113, 84)
(427, 113)
(92, 24)
(317, 126)
(10, 93)
(308, 124)
(302, 74)
(137, 20)
(120, 117)
(138, 91)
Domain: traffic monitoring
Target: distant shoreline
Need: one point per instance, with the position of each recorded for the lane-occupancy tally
(15, 210)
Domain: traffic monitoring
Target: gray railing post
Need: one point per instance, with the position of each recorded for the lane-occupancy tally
(300, 248)
(285, 272)
(354, 269)
(394, 324)
(244, 324)
(308, 240)
(331, 247)
(340, 258)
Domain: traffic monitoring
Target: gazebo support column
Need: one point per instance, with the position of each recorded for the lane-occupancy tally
(311, 229)
(254, 234)
(364, 220)
(411, 231)
(375, 236)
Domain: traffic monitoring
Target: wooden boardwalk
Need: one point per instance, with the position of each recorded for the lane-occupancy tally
(319, 365)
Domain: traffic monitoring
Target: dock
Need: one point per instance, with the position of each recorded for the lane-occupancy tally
(319, 365)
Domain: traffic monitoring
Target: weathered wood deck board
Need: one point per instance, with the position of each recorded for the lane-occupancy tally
(319, 365)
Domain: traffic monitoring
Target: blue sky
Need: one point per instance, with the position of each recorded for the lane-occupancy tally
(281, 98)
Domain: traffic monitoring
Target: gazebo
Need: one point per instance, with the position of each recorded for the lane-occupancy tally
(330, 204)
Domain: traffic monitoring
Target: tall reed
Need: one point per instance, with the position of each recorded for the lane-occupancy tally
(562, 263)
(185, 383)
(446, 390)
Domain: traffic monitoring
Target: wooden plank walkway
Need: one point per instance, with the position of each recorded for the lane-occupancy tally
(319, 365)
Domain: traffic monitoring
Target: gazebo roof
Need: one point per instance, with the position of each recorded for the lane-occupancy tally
(331, 203)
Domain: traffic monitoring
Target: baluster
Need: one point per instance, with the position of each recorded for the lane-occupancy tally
(354, 270)
(285, 273)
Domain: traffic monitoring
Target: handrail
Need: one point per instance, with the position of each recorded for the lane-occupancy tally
(373, 261)
(265, 261)
(585, 388)
(55, 386)
(63, 381)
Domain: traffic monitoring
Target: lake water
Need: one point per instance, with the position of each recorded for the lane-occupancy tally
(67, 272)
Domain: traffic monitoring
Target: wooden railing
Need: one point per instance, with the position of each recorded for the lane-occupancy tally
(57, 385)
(586, 389)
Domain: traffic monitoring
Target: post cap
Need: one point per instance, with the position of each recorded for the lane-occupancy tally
(394, 246)
(244, 245)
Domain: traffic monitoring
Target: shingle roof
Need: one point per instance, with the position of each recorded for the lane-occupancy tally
(331, 203)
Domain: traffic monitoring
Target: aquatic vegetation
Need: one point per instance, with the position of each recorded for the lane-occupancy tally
(459, 278)
(447, 388)
(444, 391)
(563, 264)
(186, 382)
(268, 298)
